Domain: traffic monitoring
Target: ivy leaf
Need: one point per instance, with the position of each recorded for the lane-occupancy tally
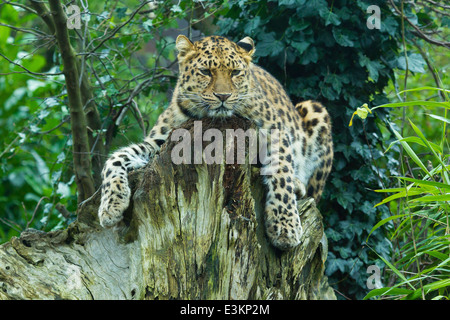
(334, 264)
(329, 17)
(342, 38)
(415, 63)
(327, 91)
(372, 66)
(268, 45)
(335, 82)
(298, 24)
(252, 25)
(389, 25)
(300, 46)
(310, 56)
(334, 235)
(290, 2)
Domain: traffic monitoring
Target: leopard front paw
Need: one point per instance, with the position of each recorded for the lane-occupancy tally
(112, 206)
(299, 188)
(284, 233)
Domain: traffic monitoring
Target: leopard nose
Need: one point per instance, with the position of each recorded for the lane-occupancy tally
(222, 96)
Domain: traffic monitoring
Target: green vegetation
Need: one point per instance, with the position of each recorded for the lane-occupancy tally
(386, 202)
(419, 224)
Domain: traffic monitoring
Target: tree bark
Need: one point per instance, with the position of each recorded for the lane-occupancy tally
(191, 232)
(81, 152)
(88, 149)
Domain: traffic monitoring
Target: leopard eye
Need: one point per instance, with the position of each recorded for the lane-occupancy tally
(236, 72)
(205, 72)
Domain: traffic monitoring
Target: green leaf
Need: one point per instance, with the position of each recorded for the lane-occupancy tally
(372, 66)
(384, 221)
(387, 291)
(426, 182)
(342, 38)
(268, 45)
(290, 2)
(121, 12)
(428, 288)
(148, 25)
(424, 88)
(252, 25)
(335, 82)
(438, 117)
(389, 25)
(176, 8)
(415, 63)
(329, 17)
(414, 103)
(415, 140)
(300, 46)
(445, 22)
(437, 254)
(402, 194)
(442, 197)
(425, 141)
(410, 151)
(394, 269)
(298, 24)
(310, 56)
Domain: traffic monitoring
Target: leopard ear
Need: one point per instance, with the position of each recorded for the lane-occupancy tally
(248, 45)
(184, 46)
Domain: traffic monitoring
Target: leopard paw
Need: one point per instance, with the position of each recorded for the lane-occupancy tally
(112, 207)
(299, 188)
(283, 234)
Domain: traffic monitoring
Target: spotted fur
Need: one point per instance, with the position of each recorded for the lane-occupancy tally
(218, 79)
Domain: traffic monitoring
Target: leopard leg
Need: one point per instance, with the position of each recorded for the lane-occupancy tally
(283, 226)
(115, 189)
(116, 193)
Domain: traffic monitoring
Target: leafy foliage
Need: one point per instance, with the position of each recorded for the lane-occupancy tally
(37, 176)
(420, 205)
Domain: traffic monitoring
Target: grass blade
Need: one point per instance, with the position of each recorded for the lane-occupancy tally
(414, 103)
(410, 151)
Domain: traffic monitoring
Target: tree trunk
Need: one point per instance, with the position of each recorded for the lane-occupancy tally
(191, 232)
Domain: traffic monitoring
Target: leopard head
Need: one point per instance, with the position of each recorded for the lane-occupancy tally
(214, 77)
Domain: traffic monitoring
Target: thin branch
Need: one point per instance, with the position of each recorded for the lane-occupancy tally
(419, 32)
(35, 210)
(138, 116)
(434, 9)
(438, 4)
(42, 10)
(430, 67)
(15, 4)
(37, 33)
(11, 224)
(117, 29)
(67, 118)
(29, 71)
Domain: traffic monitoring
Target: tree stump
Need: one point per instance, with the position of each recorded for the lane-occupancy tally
(192, 231)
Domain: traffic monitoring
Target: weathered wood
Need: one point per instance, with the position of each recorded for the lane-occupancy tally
(192, 232)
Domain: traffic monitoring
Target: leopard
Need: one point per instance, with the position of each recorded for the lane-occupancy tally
(217, 79)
